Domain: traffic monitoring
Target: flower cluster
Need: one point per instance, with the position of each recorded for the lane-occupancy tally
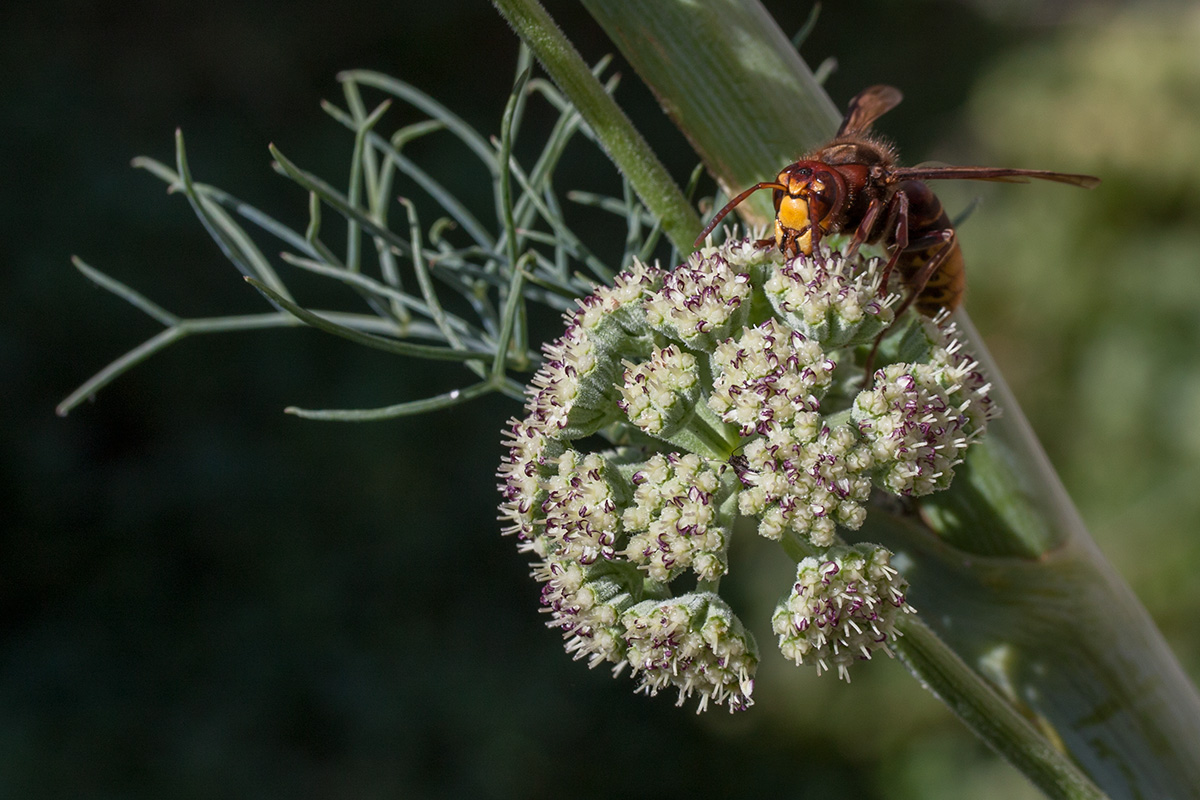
(916, 433)
(766, 375)
(586, 604)
(806, 478)
(703, 300)
(694, 643)
(730, 387)
(842, 607)
(918, 417)
(659, 395)
(581, 511)
(680, 517)
(827, 299)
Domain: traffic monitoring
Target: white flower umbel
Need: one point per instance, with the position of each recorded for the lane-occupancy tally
(960, 370)
(934, 342)
(704, 300)
(766, 375)
(733, 386)
(830, 299)
(582, 508)
(680, 517)
(524, 471)
(807, 478)
(659, 395)
(623, 297)
(917, 434)
(574, 393)
(841, 609)
(694, 643)
(586, 604)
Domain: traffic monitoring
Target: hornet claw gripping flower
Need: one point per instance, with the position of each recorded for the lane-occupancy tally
(732, 387)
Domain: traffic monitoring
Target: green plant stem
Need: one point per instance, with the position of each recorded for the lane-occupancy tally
(178, 328)
(984, 711)
(368, 339)
(439, 402)
(184, 328)
(731, 81)
(654, 186)
(513, 317)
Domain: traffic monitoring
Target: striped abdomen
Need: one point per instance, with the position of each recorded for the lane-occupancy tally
(927, 227)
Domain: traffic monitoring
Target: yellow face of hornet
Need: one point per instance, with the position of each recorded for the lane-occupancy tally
(807, 188)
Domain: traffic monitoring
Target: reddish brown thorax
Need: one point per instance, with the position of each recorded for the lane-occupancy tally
(854, 184)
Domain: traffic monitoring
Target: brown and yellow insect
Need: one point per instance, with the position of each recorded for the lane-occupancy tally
(854, 183)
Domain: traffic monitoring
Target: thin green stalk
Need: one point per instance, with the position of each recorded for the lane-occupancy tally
(232, 240)
(353, 242)
(512, 328)
(360, 281)
(129, 295)
(358, 111)
(801, 36)
(312, 231)
(336, 200)
(441, 401)
(391, 149)
(605, 203)
(568, 124)
(414, 96)
(991, 716)
(423, 280)
(225, 200)
(570, 241)
(513, 318)
(620, 139)
(730, 79)
(179, 328)
(369, 340)
(160, 341)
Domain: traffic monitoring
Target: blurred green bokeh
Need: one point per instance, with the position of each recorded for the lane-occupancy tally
(1094, 297)
(206, 598)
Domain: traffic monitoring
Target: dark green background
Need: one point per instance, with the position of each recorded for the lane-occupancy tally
(205, 598)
